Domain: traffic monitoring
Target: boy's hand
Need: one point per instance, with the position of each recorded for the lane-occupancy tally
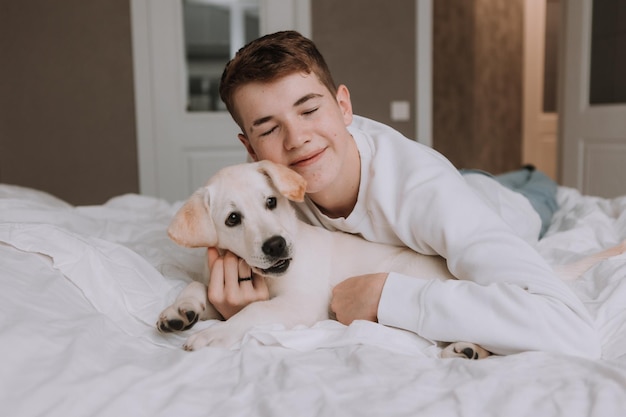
(357, 298)
(227, 292)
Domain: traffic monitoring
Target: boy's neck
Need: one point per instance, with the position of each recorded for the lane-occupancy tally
(339, 200)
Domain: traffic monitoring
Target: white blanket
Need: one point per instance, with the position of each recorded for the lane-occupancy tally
(81, 289)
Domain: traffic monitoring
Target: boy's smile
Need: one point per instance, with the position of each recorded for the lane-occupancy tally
(297, 122)
(307, 160)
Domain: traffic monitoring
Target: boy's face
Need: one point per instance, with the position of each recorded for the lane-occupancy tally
(295, 121)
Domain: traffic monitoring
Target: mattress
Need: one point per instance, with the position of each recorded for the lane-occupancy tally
(81, 289)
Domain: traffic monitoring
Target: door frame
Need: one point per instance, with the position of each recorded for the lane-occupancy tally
(424, 72)
(539, 129)
(144, 111)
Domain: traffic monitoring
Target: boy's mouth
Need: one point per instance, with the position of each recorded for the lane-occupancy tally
(308, 159)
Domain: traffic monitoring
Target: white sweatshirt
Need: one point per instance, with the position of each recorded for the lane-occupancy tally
(506, 299)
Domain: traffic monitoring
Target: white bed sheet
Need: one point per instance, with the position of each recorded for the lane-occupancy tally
(81, 288)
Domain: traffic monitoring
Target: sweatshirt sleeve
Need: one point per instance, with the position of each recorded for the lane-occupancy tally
(502, 318)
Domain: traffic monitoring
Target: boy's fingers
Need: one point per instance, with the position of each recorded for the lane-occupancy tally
(232, 285)
(231, 273)
(216, 281)
(212, 254)
(244, 270)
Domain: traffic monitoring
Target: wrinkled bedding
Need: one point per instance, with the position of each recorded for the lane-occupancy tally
(81, 289)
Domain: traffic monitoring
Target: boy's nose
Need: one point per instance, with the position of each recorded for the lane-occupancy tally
(296, 136)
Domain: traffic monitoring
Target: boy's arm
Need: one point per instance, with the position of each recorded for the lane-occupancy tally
(506, 299)
(502, 318)
(357, 298)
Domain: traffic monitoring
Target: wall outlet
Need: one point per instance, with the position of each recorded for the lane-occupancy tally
(400, 111)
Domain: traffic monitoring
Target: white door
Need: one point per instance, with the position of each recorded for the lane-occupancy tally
(180, 149)
(593, 134)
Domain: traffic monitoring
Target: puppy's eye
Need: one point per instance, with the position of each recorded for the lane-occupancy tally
(233, 219)
(271, 203)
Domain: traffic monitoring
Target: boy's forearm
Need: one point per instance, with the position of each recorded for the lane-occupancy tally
(502, 318)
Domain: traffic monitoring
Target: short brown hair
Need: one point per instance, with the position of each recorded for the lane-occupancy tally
(271, 57)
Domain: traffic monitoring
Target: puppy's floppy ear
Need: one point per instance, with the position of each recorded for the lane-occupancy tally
(192, 225)
(288, 182)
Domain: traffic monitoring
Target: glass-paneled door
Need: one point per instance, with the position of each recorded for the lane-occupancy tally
(180, 48)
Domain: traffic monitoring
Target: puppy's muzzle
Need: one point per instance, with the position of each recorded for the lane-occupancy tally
(276, 248)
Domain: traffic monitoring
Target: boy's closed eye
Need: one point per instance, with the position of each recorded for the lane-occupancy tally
(269, 132)
(308, 112)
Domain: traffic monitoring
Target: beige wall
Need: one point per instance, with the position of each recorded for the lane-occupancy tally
(369, 46)
(67, 123)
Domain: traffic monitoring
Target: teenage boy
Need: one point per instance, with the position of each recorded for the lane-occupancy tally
(365, 178)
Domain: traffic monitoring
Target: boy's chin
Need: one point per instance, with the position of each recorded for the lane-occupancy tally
(315, 186)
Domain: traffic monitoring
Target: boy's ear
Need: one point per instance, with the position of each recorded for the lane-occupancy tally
(251, 154)
(192, 225)
(288, 182)
(345, 104)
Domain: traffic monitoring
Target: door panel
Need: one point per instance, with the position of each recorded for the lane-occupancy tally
(593, 152)
(605, 163)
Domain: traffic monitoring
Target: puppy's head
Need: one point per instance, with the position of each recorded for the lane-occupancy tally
(244, 209)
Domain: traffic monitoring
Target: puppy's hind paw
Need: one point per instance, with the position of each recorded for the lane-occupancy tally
(198, 340)
(219, 335)
(175, 319)
(464, 350)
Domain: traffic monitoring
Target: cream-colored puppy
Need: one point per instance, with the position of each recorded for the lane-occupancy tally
(245, 209)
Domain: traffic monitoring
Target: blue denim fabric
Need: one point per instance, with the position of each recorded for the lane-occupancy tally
(538, 188)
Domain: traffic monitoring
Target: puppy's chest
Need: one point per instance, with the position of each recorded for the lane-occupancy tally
(352, 255)
(310, 272)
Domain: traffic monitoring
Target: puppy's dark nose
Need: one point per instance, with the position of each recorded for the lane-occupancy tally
(275, 246)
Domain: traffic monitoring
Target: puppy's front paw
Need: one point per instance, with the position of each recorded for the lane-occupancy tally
(180, 316)
(218, 335)
(464, 350)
